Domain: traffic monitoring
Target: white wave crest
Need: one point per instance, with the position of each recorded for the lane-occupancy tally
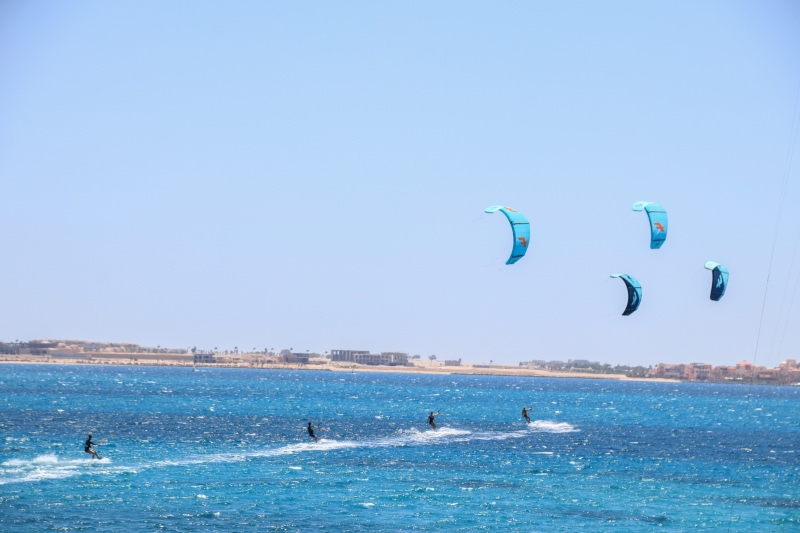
(52, 459)
(414, 437)
(548, 426)
(47, 466)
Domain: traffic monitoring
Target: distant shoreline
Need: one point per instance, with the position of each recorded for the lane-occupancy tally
(426, 368)
(467, 370)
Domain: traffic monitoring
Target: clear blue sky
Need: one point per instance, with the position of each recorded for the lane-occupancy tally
(313, 175)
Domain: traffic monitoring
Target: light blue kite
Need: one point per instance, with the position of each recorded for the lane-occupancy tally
(658, 222)
(719, 280)
(634, 292)
(521, 228)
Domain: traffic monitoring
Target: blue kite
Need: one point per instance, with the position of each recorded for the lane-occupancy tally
(521, 228)
(634, 292)
(658, 222)
(719, 280)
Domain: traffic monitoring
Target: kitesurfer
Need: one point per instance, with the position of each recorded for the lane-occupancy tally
(311, 431)
(431, 421)
(87, 447)
(525, 414)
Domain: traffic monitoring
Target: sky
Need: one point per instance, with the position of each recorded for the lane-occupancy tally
(313, 175)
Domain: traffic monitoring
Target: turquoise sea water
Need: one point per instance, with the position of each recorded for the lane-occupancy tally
(226, 450)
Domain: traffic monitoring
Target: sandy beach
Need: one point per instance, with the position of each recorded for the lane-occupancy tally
(420, 367)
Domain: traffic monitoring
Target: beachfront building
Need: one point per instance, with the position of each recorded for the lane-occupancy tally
(204, 358)
(700, 371)
(396, 358)
(790, 375)
(452, 362)
(347, 356)
(666, 371)
(787, 372)
(724, 372)
(767, 375)
(382, 359)
(745, 370)
(295, 358)
(363, 357)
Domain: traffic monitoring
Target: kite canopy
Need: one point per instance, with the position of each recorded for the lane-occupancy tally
(658, 222)
(634, 292)
(719, 280)
(521, 228)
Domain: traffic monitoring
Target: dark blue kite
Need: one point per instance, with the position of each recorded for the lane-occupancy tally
(634, 292)
(719, 280)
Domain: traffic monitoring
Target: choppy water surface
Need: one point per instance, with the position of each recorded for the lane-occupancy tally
(226, 450)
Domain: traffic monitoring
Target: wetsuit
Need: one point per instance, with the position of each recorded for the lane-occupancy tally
(311, 432)
(431, 421)
(87, 447)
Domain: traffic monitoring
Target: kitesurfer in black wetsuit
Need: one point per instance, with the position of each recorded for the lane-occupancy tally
(431, 421)
(525, 414)
(311, 431)
(87, 447)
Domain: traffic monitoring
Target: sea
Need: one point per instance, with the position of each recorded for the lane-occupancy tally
(227, 450)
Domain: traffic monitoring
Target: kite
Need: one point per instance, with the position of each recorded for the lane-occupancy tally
(521, 228)
(634, 292)
(658, 222)
(719, 280)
